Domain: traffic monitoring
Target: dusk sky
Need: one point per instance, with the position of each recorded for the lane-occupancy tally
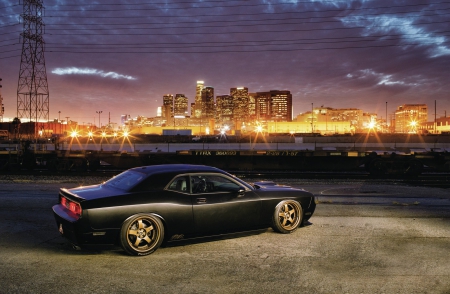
(121, 57)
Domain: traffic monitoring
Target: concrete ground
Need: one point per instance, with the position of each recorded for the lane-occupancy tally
(364, 238)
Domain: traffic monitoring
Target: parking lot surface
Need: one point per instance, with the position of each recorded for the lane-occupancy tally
(363, 238)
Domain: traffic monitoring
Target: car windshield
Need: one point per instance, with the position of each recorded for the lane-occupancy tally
(126, 180)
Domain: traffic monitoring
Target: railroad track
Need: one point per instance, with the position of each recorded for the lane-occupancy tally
(440, 180)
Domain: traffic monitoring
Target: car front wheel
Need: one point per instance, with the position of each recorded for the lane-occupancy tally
(141, 234)
(287, 217)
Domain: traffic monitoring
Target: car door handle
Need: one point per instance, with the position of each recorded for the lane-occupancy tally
(201, 200)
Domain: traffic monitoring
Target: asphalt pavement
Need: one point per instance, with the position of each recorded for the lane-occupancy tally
(365, 237)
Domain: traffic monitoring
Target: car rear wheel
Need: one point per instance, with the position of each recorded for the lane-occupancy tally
(141, 234)
(287, 217)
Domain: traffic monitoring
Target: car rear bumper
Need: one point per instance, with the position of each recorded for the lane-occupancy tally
(79, 233)
(66, 224)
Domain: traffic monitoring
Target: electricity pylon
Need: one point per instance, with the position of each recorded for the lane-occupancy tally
(32, 89)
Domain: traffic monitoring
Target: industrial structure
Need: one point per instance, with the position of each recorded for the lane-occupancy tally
(32, 88)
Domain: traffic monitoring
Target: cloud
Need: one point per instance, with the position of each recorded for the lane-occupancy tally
(381, 79)
(90, 71)
(411, 33)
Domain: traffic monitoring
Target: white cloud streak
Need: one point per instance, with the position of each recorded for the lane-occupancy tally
(90, 71)
(411, 32)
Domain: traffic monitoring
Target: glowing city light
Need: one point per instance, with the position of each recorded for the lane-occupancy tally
(74, 134)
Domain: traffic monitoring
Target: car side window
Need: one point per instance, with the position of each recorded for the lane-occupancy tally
(154, 182)
(180, 184)
(212, 183)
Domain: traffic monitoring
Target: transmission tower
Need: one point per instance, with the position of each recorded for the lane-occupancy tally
(32, 89)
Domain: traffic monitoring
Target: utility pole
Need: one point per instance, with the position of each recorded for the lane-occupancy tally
(32, 88)
(387, 117)
(2, 107)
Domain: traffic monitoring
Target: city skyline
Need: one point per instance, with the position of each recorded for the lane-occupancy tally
(340, 54)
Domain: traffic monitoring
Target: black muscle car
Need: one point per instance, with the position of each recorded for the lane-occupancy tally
(144, 206)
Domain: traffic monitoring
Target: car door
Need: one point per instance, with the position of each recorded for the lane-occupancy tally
(221, 204)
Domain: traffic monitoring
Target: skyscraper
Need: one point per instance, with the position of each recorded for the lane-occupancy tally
(197, 111)
(180, 105)
(224, 109)
(274, 105)
(167, 109)
(207, 102)
(240, 105)
(252, 106)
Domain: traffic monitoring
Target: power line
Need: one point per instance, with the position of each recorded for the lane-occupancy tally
(181, 2)
(8, 40)
(232, 6)
(260, 49)
(235, 23)
(229, 6)
(240, 32)
(8, 57)
(239, 23)
(242, 51)
(165, 51)
(338, 39)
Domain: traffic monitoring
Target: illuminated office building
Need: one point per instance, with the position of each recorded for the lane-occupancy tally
(224, 109)
(207, 103)
(167, 109)
(408, 117)
(252, 106)
(274, 105)
(197, 109)
(240, 105)
(327, 120)
(180, 105)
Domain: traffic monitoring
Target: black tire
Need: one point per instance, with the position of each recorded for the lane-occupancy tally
(287, 217)
(141, 234)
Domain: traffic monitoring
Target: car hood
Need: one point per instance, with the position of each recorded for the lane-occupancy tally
(93, 192)
(268, 185)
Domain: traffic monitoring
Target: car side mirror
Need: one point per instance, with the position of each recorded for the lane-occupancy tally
(240, 192)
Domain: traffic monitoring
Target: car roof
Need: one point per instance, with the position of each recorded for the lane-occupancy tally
(168, 168)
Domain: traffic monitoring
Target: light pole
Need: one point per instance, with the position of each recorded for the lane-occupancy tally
(387, 128)
(99, 124)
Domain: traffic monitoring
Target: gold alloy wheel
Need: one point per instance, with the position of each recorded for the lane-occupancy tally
(287, 216)
(142, 234)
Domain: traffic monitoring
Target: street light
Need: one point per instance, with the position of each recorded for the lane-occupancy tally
(99, 124)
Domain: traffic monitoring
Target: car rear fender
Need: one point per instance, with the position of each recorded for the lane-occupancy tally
(147, 213)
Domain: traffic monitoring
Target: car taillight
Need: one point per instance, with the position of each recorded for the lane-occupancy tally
(71, 205)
